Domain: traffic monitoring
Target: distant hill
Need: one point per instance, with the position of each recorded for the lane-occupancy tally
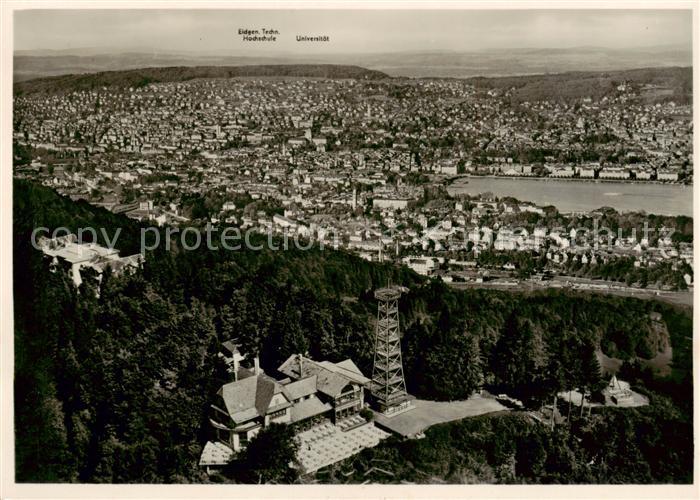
(664, 84)
(460, 63)
(523, 61)
(144, 76)
(674, 83)
(28, 66)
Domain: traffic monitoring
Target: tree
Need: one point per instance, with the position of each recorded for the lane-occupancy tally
(22, 154)
(453, 367)
(530, 456)
(571, 363)
(518, 358)
(590, 374)
(269, 454)
(118, 387)
(552, 381)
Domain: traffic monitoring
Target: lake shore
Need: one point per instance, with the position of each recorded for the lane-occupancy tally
(458, 179)
(577, 195)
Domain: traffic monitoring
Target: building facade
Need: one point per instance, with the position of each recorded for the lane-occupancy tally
(311, 391)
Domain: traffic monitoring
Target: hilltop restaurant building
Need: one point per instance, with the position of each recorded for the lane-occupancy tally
(310, 392)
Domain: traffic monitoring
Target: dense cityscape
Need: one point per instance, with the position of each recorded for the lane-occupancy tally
(363, 165)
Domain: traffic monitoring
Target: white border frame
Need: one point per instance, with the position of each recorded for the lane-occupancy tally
(10, 489)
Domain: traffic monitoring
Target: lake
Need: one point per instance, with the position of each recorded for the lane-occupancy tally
(580, 196)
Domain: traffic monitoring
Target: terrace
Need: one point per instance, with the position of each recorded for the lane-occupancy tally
(327, 444)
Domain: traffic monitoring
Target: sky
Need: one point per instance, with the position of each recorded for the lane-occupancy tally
(350, 31)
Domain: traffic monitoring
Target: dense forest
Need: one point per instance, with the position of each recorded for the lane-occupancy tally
(143, 76)
(615, 446)
(114, 387)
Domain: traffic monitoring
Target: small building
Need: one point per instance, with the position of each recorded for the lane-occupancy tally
(390, 203)
(563, 172)
(283, 221)
(667, 175)
(70, 251)
(424, 266)
(618, 392)
(586, 173)
(614, 173)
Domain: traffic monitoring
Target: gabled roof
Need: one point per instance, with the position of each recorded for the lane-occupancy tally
(239, 398)
(309, 408)
(250, 397)
(330, 379)
(230, 346)
(331, 383)
(348, 369)
(263, 395)
(300, 388)
(291, 368)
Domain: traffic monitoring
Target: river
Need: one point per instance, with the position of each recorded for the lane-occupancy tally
(584, 196)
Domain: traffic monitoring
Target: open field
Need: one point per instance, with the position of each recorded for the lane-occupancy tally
(428, 413)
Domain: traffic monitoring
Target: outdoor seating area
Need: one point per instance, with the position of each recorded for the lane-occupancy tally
(351, 422)
(327, 444)
(215, 455)
(317, 433)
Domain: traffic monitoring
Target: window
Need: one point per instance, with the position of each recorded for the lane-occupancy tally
(348, 389)
(276, 414)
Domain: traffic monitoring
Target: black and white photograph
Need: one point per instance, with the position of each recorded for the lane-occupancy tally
(349, 246)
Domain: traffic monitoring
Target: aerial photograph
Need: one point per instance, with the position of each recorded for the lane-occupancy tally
(352, 246)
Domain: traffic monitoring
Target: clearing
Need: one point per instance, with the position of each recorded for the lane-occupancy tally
(428, 413)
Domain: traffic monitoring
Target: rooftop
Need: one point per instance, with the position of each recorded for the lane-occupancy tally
(249, 397)
(309, 408)
(331, 378)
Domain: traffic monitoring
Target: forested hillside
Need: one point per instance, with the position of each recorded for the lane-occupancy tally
(144, 76)
(678, 82)
(115, 387)
(613, 446)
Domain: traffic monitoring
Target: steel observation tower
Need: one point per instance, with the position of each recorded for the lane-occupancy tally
(388, 384)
